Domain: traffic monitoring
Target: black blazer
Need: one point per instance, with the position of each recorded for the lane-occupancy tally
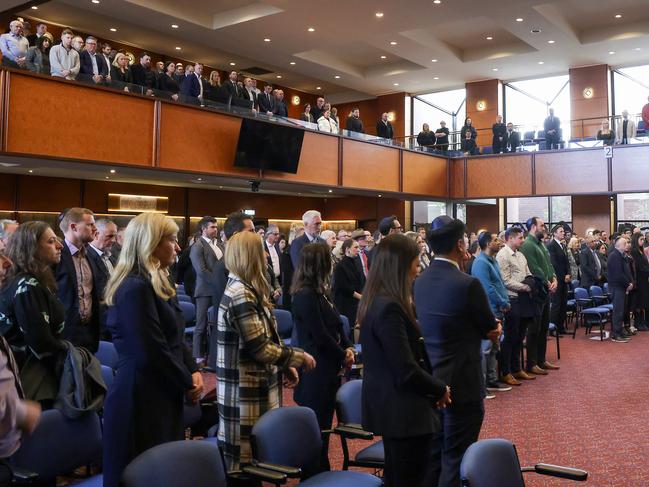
(469, 145)
(143, 77)
(471, 128)
(185, 273)
(168, 84)
(232, 89)
(266, 102)
(354, 125)
(117, 76)
(66, 281)
(588, 268)
(384, 130)
(399, 390)
(559, 260)
(296, 247)
(619, 272)
(454, 315)
(246, 96)
(100, 276)
(512, 141)
(85, 71)
(280, 108)
(347, 279)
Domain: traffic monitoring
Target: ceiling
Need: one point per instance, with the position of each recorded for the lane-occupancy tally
(349, 40)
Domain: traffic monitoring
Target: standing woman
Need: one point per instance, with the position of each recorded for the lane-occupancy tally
(399, 391)
(168, 81)
(573, 257)
(320, 333)
(31, 316)
(641, 295)
(144, 408)
(250, 351)
(286, 270)
(468, 127)
(348, 282)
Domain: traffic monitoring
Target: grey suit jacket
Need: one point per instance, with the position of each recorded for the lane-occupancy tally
(204, 261)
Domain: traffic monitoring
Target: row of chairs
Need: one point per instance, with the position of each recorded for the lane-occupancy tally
(590, 307)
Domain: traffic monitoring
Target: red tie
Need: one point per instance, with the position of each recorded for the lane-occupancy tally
(364, 261)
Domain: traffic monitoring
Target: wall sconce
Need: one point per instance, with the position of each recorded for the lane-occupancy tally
(588, 92)
(392, 116)
(481, 105)
(295, 100)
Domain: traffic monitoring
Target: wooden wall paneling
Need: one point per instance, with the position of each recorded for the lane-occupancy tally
(39, 193)
(596, 78)
(457, 186)
(371, 110)
(8, 188)
(487, 91)
(96, 194)
(591, 211)
(630, 168)
(425, 175)
(121, 135)
(571, 172)
(318, 161)
(370, 166)
(488, 177)
(482, 217)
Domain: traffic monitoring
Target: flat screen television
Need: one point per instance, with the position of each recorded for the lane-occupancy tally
(269, 146)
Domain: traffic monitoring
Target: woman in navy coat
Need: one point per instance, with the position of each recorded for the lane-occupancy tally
(144, 407)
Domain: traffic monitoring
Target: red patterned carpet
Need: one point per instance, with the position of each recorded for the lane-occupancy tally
(591, 414)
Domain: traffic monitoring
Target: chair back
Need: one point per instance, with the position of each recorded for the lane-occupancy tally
(60, 445)
(189, 312)
(180, 289)
(346, 328)
(606, 288)
(596, 291)
(575, 283)
(108, 375)
(107, 354)
(487, 149)
(284, 322)
(177, 464)
(288, 436)
(529, 135)
(349, 398)
(183, 298)
(491, 462)
(581, 293)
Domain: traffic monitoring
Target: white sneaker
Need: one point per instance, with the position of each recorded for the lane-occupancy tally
(490, 396)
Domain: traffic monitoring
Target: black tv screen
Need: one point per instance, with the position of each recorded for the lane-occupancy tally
(271, 146)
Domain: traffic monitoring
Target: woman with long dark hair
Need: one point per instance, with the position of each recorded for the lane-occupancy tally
(348, 281)
(320, 333)
(31, 316)
(468, 127)
(640, 303)
(399, 391)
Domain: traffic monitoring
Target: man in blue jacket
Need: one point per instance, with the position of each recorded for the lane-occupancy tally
(620, 282)
(486, 269)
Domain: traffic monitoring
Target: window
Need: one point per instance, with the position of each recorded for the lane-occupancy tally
(460, 211)
(551, 210)
(633, 208)
(432, 108)
(426, 211)
(527, 103)
(630, 89)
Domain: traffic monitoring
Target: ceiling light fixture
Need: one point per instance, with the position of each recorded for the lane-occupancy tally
(550, 42)
(112, 171)
(199, 179)
(395, 84)
(490, 38)
(30, 171)
(436, 77)
(433, 60)
(383, 57)
(279, 76)
(379, 14)
(541, 62)
(107, 177)
(519, 19)
(174, 26)
(337, 76)
(178, 48)
(113, 29)
(331, 190)
(618, 16)
(437, 2)
(611, 52)
(292, 63)
(34, 7)
(233, 64)
(638, 49)
(318, 87)
(494, 69)
(266, 39)
(95, 1)
(393, 43)
(311, 29)
(535, 30)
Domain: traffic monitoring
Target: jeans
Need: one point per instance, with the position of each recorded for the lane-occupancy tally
(489, 361)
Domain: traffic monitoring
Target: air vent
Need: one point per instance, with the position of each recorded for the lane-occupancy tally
(256, 71)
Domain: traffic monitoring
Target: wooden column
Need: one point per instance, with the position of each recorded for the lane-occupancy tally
(588, 98)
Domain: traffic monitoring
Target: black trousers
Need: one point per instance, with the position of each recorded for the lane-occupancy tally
(619, 301)
(406, 460)
(515, 327)
(5, 473)
(460, 427)
(537, 335)
(552, 141)
(558, 306)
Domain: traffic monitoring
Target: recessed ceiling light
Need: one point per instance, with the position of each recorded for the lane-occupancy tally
(199, 179)
(112, 171)
(95, 1)
(337, 77)
(437, 1)
(541, 62)
(30, 171)
(279, 76)
(618, 16)
(379, 14)
(178, 48)
(311, 29)
(107, 177)
(383, 57)
(519, 19)
(318, 87)
(489, 38)
(233, 64)
(436, 77)
(494, 69)
(395, 84)
(550, 42)
(331, 190)
(174, 26)
(292, 63)
(611, 52)
(535, 30)
(34, 7)
(393, 43)
(638, 49)
(433, 60)
(266, 39)
(113, 29)
(380, 195)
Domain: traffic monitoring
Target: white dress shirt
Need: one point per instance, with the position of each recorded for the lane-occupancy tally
(215, 248)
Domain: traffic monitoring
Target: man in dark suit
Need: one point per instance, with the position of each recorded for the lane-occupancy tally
(266, 101)
(552, 125)
(102, 264)
(41, 29)
(590, 267)
(75, 281)
(193, 86)
(559, 260)
(354, 122)
(384, 127)
(312, 220)
(204, 254)
(231, 85)
(318, 110)
(142, 74)
(512, 139)
(454, 314)
(280, 105)
(93, 67)
(620, 283)
(249, 94)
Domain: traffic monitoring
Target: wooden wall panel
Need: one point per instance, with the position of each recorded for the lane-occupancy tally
(591, 211)
(364, 209)
(370, 166)
(499, 176)
(457, 178)
(570, 172)
(630, 168)
(482, 217)
(371, 110)
(95, 195)
(8, 188)
(318, 161)
(596, 78)
(487, 91)
(73, 121)
(425, 175)
(37, 193)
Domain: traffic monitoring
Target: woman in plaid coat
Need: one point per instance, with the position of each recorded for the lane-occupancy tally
(250, 351)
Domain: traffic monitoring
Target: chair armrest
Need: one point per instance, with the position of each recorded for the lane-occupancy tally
(264, 475)
(561, 472)
(23, 475)
(291, 472)
(353, 432)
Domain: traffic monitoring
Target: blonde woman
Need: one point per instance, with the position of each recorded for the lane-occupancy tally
(296, 231)
(120, 73)
(573, 257)
(155, 374)
(605, 133)
(250, 351)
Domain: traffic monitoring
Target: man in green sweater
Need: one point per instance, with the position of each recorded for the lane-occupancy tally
(538, 260)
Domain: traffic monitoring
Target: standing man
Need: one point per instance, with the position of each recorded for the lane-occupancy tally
(204, 254)
(538, 260)
(93, 68)
(559, 259)
(362, 262)
(354, 122)
(102, 264)
(620, 283)
(625, 129)
(312, 220)
(514, 271)
(552, 126)
(645, 114)
(14, 46)
(266, 101)
(512, 139)
(499, 131)
(454, 314)
(75, 281)
(384, 127)
(486, 270)
(271, 246)
(318, 110)
(590, 266)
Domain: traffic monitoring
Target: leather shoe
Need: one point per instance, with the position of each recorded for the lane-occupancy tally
(509, 380)
(522, 375)
(549, 366)
(536, 370)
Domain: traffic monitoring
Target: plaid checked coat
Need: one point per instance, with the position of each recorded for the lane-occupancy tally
(250, 353)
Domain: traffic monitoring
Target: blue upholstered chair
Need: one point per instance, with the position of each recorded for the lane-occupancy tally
(590, 314)
(107, 354)
(284, 324)
(184, 298)
(494, 463)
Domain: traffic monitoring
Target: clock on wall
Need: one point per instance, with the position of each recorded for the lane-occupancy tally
(295, 100)
(481, 105)
(588, 92)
